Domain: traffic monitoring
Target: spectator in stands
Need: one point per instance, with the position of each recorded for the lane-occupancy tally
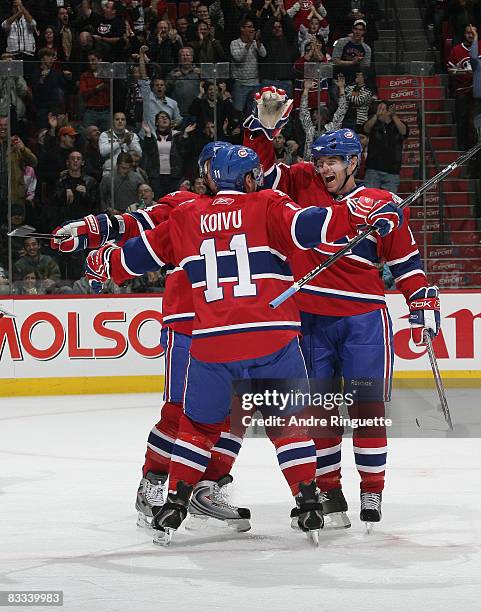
(44, 267)
(461, 13)
(359, 97)
(236, 11)
(310, 33)
(64, 33)
(314, 52)
(82, 287)
(162, 155)
(17, 220)
(191, 16)
(320, 120)
(246, 51)
(48, 87)
(387, 134)
(279, 36)
(125, 185)
(164, 49)
(286, 151)
(191, 144)
(369, 11)
(152, 282)
(183, 81)
(182, 27)
(18, 95)
(202, 108)
(476, 65)
(91, 153)
(75, 194)
(110, 29)
(57, 147)
(207, 49)
(199, 186)
(86, 19)
(95, 94)
(137, 168)
(112, 142)
(19, 30)
(461, 75)
(20, 156)
(145, 198)
(351, 52)
(154, 98)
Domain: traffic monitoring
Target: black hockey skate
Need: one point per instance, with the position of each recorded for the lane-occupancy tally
(308, 511)
(151, 492)
(169, 517)
(334, 508)
(210, 500)
(370, 509)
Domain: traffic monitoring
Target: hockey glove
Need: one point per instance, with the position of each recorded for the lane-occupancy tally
(424, 313)
(271, 111)
(384, 216)
(97, 267)
(90, 232)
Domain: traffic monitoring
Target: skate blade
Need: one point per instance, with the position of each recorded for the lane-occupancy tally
(313, 537)
(197, 522)
(163, 537)
(336, 520)
(369, 527)
(240, 525)
(434, 421)
(143, 521)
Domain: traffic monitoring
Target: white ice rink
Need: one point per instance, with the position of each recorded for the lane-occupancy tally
(70, 470)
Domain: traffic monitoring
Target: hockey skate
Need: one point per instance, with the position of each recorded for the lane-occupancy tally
(334, 508)
(169, 517)
(308, 512)
(370, 509)
(151, 492)
(210, 500)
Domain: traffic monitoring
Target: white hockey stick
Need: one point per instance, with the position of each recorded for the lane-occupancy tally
(434, 419)
(29, 232)
(294, 288)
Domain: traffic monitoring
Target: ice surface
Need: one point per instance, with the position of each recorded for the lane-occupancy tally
(70, 470)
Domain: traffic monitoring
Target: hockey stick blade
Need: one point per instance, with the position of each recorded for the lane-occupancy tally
(29, 232)
(294, 288)
(433, 420)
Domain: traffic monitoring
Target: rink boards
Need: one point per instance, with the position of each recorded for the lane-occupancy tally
(110, 344)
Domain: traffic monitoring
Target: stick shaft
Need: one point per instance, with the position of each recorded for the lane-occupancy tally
(406, 202)
(438, 379)
(37, 235)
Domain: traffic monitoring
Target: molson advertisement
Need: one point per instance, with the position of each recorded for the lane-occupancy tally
(60, 344)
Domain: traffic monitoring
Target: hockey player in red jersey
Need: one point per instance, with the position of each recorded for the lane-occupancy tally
(234, 248)
(346, 329)
(209, 498)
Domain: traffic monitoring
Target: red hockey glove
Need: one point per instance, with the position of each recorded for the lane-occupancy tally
(271, 111)
(97, 267)
(90, 232)
(384, 216)
(424, 314)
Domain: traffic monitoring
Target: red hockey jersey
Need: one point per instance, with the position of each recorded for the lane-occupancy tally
(352, 285)
(234, 248)
(177, 306)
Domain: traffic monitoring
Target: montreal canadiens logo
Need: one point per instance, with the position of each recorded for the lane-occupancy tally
(242, 153)
(348, 135)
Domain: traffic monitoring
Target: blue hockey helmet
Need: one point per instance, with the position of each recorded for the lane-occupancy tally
(343, 142)
(230, 165)
(208, 153)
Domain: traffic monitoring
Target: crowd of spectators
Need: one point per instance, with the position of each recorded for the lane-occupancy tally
(78, 148)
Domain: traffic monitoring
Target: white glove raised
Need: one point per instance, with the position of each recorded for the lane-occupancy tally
(271, 111)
